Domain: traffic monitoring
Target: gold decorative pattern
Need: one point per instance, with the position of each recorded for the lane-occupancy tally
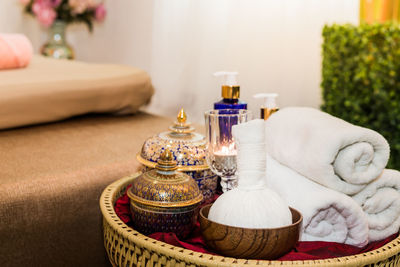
(166, 162)
(163, 187)
(152, 165)
(163, 200)
(187, 148)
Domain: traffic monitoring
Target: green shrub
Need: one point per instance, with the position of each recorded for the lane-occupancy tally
(361, 78)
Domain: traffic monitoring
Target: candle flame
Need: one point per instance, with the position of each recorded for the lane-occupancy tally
(226, 150)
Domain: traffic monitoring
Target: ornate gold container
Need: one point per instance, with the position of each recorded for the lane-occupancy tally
(164, 200)
(188, 149)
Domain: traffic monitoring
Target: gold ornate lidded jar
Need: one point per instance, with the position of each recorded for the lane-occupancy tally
(188, 148)
(164, 200)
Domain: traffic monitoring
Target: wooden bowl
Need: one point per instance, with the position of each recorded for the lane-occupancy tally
(247, 243)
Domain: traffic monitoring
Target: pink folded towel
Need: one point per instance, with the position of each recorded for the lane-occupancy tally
(15, 51)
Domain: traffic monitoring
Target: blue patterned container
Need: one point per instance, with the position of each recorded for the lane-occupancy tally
(189, 151)
(163, 200)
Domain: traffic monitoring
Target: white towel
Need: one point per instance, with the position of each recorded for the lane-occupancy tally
(327, 215)
(326, 149)
(380, 200)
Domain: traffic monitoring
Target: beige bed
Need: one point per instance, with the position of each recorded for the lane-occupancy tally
(51, 176)
(50, 90)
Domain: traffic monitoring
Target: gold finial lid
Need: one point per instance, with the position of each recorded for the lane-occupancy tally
(230, 91)
(187, 147)
(165, 187)
(166, 161)
(181, 127)
(181, 118)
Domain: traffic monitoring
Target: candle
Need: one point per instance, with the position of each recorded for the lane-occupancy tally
(226, 150)
(223, 161)
(221, 151)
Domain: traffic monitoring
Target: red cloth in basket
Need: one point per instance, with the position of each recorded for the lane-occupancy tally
(304, 250)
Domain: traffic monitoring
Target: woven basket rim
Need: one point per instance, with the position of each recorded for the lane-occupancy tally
(108, 198)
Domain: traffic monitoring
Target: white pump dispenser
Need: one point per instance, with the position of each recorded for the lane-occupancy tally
(230, 88)
(269, 105)
(230, 77)
(269, 99)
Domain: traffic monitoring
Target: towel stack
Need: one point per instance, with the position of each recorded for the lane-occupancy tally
(334, 173)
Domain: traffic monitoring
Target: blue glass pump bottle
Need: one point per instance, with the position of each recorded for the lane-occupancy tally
(230, 92)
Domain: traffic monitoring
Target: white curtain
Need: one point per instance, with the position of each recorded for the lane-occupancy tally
(275, 45)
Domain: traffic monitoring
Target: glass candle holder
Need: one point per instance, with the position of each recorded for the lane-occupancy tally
(221, 148)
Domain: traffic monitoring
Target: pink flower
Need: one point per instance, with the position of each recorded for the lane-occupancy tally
(55, 3)
(39, 5)
(80, 6)
(100, 13)
(44, 12)
(47, 16)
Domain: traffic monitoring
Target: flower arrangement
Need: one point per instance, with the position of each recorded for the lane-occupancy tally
(69, 11)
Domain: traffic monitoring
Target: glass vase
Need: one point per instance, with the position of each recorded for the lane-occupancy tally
(221, 148)
(57, 46)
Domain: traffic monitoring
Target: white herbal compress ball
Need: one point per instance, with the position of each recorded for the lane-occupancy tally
(251, 204)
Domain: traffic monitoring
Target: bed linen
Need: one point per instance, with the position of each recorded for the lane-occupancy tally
(51, 90)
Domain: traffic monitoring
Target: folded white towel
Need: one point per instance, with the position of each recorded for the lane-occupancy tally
(326, 149)
(380, 200)
(327, 215)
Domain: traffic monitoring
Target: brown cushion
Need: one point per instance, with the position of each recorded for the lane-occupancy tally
(50, 90)
(51, 178)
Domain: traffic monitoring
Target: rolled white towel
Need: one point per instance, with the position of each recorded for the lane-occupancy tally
(327, 215)
(326, 149)
(380, 200)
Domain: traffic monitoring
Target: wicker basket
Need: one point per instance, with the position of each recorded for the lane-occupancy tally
(127, 247)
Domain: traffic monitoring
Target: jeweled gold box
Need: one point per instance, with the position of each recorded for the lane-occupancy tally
(164, 200)
(188, 149)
